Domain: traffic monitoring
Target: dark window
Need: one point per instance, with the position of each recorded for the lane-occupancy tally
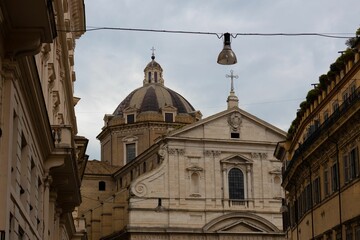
(130, 152)
(326, 181)
(334, 178)
(338, 235)
(357, 233)
(349, 233)
(155, 75)
(326, 116)
(235, 135)
(346, 168)
(169, 117)
(354, 162)
(144, 167)
(102, 186)
(236, 184)
(130, 118)
(316, 189)
(335, 106)
(149, 76)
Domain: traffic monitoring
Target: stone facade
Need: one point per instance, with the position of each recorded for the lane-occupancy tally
(182, 187)
(321, 159)
(41, 157)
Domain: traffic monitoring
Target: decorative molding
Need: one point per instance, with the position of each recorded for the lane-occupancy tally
(214, 153)
(195, 169)
(173, 151)
(260, 156)
(235, 120)
(162, 151)
(139, 190)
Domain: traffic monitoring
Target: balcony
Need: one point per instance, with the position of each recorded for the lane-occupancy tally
(63, 137)
(28, 24)
(319, 131)
(65, 169)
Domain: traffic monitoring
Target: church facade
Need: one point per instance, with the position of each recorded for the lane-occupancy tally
(212, 178)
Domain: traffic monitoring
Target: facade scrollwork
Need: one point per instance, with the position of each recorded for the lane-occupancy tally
(234, 121)
(139, 190)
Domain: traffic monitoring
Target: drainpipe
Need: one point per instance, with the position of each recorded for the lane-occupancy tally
(312, 202)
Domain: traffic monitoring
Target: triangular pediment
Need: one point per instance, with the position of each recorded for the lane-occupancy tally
(237, 159)
(229, 123)
(130, 109)
(169, 108)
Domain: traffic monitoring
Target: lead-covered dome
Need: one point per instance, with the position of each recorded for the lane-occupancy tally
(153, 96)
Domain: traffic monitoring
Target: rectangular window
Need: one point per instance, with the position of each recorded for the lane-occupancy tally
(130, 152)
(235, 135)
(357, 233)
(316, 191)
(354, 163)
(349, 233)
(335, 106)
(334, 178)
(169, 117)
(130, 118)
(326, 115)
(326, 181)
(345, 96)
(346, 168)
(144, 167)
(338, 235)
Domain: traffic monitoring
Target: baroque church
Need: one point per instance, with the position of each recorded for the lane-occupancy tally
(166, 173)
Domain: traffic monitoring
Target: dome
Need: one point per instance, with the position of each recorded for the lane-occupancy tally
(153, 96)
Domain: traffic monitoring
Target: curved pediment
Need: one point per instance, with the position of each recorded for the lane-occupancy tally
(241, 223)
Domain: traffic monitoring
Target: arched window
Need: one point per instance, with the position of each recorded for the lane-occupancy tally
(195, 183)
(155, 76)
(236, 184)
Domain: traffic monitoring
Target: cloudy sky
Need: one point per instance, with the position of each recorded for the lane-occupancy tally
(275, 73)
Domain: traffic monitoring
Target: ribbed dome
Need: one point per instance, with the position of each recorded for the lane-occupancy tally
(153, 95)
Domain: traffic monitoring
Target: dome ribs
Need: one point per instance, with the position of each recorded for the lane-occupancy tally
(177, 101)
(150, 102)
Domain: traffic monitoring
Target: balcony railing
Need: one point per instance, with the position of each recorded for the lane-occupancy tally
(62, 135)
(333, 118)
(237, 203)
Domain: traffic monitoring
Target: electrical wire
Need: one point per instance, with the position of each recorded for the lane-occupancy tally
(219, 35)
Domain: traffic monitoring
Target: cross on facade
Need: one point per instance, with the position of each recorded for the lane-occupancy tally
(232, 76)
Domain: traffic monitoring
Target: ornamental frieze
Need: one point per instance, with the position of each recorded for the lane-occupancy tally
(209, 153)
(173, 151)
(260, 156)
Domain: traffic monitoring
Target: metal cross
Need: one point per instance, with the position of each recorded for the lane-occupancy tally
(153, 51)
(232, 76)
